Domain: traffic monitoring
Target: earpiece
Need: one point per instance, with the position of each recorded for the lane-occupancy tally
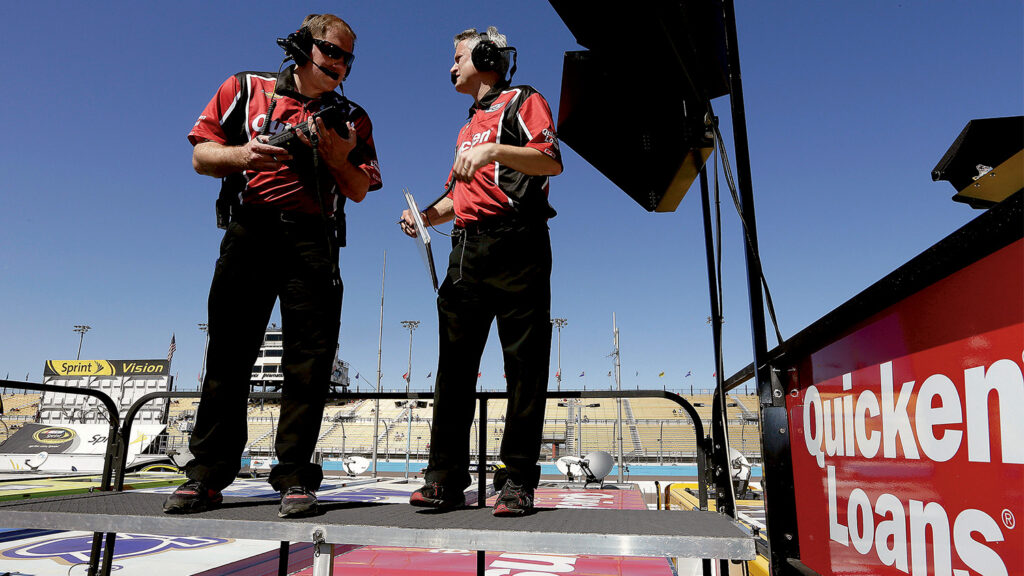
(489, 57)
(299, 44)
(486, 55)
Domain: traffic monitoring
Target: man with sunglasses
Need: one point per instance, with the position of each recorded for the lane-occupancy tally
(499, 268)
(281, 242)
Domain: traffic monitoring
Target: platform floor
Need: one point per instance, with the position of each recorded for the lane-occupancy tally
(680, 534)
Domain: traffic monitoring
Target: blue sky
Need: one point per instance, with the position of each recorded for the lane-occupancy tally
(103, 222)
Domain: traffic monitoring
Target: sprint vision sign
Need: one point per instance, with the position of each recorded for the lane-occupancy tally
(82, 368)
(907, 433)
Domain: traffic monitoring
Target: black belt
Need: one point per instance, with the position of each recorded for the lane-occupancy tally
(268, 214)
(495, 223)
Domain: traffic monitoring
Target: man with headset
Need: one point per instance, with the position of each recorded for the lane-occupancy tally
(500, 267)
(282, 242)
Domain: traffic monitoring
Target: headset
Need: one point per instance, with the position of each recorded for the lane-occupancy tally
(298, 45)
(489, 57)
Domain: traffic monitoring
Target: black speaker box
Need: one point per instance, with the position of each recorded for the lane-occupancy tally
(679, 38)
(634, 104)
(986, 161)
(648, 138)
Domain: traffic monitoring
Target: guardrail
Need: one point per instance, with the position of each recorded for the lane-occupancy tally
(702, 443)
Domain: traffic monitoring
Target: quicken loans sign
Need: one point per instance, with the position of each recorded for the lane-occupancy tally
(907, 434)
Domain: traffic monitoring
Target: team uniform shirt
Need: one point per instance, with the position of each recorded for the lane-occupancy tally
(518, 116)
(237, 114)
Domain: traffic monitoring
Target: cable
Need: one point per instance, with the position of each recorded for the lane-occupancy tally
(314, 140)
(727, 169)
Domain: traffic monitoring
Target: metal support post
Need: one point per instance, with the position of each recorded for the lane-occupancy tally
(323, 555)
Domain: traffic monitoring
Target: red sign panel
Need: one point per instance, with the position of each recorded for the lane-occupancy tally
(907, 433)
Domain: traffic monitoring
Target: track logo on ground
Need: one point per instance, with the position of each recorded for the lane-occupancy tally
(76, 549)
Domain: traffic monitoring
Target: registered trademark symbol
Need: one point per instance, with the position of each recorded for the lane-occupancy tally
(1008, 520)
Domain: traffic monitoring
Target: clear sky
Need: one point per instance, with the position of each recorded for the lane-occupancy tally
(103, 221)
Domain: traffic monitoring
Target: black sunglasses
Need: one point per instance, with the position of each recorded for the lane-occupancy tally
(334, 52)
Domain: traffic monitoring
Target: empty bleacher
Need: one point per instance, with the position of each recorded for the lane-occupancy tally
(655, 429)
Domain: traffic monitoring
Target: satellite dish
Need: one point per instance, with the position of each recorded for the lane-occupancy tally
(739, 466)
(570, 466)
(180, 457)
(259, 466)
(597, 465)
(36, 461)
(355, 465)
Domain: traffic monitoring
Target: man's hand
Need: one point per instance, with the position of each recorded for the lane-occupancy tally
(219, 160)
(473, 159)
(530, 161)
(408, 222)
(259, 156)
(333, 147)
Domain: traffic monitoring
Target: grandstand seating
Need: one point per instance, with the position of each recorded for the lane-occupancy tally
(652, 432)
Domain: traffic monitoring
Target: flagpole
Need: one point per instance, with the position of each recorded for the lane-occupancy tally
(380, 340)
(411, 325)
(618, 383)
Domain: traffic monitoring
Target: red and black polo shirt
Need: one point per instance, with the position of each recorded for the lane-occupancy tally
(237, 113)
(518, 116)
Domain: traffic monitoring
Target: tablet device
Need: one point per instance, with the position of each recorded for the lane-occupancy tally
(422, 238)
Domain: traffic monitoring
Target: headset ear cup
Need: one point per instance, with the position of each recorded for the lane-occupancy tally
(485, 56)
(303, 40)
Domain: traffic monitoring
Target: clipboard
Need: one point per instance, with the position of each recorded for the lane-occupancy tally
(422, 238)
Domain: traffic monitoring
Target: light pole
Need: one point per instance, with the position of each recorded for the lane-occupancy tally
(343, 437)
(81, 329)
(559, 322)
(410, 325)
(380, 348)
(206, 346)
(618, 382)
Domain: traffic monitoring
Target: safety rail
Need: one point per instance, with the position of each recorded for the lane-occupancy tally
(115, 461)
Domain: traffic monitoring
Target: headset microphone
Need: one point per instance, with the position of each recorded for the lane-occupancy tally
(331, 73)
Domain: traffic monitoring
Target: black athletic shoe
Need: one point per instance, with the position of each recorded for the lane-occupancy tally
(434, 495)
(514, 500)
(192, 496)
(296, 502)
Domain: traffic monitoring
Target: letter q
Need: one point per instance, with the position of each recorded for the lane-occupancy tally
(813, 436)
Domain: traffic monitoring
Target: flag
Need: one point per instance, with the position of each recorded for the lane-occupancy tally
(609, 373)
(479, 374)
(714, 374)
(581, 374)
(688, 372)
(558, 374)
(661, 374)
(637, 372)
(429, 374)
(171, 348)
(405, 376)
(503, 375)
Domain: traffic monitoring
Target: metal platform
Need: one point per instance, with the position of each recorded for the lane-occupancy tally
(679, 534)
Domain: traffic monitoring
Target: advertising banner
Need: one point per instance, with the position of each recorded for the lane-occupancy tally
(907, 432)
(106, 368)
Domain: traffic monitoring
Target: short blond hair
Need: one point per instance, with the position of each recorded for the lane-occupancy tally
(319, 24)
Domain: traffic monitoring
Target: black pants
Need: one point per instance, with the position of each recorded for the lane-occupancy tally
(503, 273)
(263, 258)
